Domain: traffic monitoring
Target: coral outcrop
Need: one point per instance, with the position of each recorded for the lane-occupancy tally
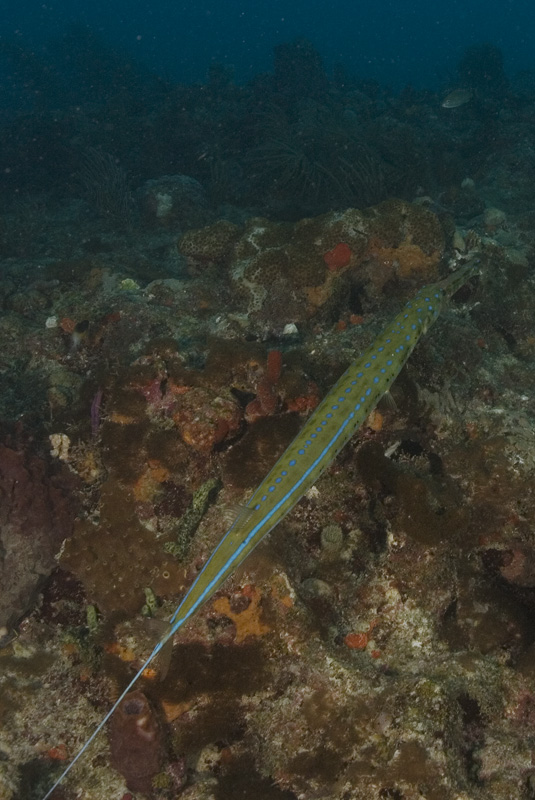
(293, 273)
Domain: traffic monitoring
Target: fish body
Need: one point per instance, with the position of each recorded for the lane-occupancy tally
(456, 98)
(325, 433)
(327, 430)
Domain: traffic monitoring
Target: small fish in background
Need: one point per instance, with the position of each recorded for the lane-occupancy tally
(79, 334)
(456, 98)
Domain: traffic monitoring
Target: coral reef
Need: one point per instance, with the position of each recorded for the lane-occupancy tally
(402, 581)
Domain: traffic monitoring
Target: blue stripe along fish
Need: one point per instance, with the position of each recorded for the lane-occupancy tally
(327, 430)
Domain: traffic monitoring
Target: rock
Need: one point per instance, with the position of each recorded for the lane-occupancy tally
(174, 201)
(35, 518)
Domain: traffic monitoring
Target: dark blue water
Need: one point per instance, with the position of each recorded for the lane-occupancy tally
(409, 42)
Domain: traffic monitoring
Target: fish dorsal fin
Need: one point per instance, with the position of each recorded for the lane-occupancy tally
(387, 403)
(234, 512)
(161, 630)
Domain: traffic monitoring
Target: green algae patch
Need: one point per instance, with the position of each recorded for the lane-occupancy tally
(185, 530)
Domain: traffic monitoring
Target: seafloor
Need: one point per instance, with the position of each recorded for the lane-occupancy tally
(380, 644)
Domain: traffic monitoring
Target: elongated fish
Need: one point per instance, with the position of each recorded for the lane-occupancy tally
(327, 430)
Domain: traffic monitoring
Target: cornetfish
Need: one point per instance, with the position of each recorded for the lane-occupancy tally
(327, 430)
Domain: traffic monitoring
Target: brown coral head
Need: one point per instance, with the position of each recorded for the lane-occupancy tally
(136, 742)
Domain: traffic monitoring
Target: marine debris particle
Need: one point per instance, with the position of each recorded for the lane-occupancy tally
(191, 520)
